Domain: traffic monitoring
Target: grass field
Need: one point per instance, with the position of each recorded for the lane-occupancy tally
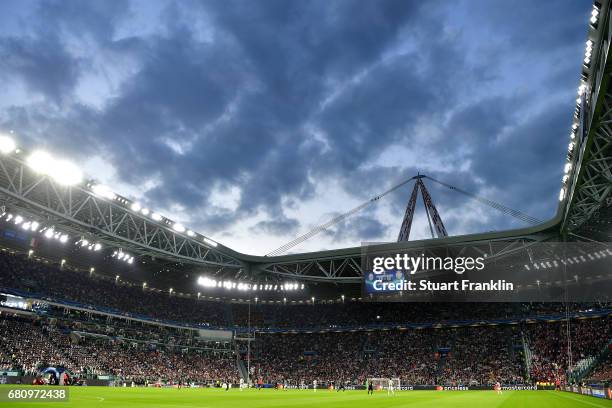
(86, 397)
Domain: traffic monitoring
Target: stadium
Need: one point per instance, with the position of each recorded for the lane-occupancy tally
(275, 291)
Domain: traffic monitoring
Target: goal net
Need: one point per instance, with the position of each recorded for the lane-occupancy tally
(383, 383)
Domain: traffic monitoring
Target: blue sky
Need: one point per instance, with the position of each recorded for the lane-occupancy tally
(253, 121)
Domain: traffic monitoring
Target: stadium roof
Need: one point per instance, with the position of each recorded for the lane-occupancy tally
(41, 190)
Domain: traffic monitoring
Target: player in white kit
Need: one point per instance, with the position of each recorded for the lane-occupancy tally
(390, 389)
(314, 385)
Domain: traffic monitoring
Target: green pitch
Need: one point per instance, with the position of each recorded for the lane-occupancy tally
(89, 397)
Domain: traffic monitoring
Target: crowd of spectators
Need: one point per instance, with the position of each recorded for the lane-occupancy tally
(30, 345)
(330, 316)
(460, 356)
(19, 272)
(471, 354)
(549, 345)
(438, 356)
(603, 372)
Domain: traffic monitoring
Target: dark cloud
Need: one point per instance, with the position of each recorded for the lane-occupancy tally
(42, 64)
(280, 227)
(359, 228)
(276, 98)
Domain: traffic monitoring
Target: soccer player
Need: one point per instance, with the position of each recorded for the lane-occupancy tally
(341, 386)
(241, 384)
(370, 388)
(390, 389)
(314, 385)
(497, 387)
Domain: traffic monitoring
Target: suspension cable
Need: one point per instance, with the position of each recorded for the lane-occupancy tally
(500, 207)
(335, 220)
(322, 227)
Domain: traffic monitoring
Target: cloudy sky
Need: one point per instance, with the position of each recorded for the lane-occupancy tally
(253, 121)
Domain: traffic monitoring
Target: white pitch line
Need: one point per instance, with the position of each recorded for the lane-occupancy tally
(568, 396)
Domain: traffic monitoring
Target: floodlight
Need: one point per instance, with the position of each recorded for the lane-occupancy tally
(210, 242)
(34, 226)
(40, 161)
(103, 191)
(49, 233)
(7, 145)
(135, 207)
(156, 217)
(26, 225)
(63, 239)
(178, 227)
(562, 194)
(65, 173)
(190, 233)
(145, 211)
(18, 220)
(97, 246)
(567, 168)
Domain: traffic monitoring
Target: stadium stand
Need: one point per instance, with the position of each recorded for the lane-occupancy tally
(29, 344)
(603, 373)
(33, 277)
(454, 344)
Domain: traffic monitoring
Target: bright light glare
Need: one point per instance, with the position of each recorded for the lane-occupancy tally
(40, 161)
(7, 145)
(156, 217)
(178, 227)
(65, 173)
(210, 242)
(135, 207)
(207, 282)
(103, 191)
(62, 171)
